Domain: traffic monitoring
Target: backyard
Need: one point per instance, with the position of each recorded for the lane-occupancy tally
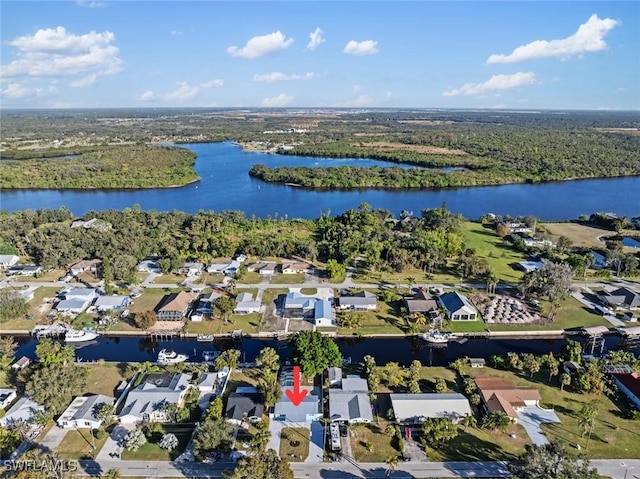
(79, 444)
(294, 444)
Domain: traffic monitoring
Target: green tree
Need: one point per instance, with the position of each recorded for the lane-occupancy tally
(12, 305)
(268, 359)
(587, 420)
(112, 473)
(134, 440)
(168, 442)
(54, 386)
(392, 463)
(9, 440)
(572, 351)
(552, 461)
(441, 385)
(52, 353)
(439, 430)
(105, 413)
(227, 359)
(263, 465)
(224, 305)
(314, 353)
(7, 348)
(336, 270)
(215, 409)
(259, 440)
(496, 420)
(565, 380)
(107, 276)
(213, 435)
(145, 319)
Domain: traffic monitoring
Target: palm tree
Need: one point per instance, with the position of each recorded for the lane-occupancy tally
(392, 463)
(565, 380)
(587, 419)
(112, 473)
(421, 320)
(411, 281)
(260, 439)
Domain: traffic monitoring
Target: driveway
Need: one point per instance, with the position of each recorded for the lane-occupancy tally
(53, 438)
(316, 443)
(113, 445)
(531, 417)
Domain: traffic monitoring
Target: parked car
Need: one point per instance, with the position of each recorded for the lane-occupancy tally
(125, 314)
(135, 295)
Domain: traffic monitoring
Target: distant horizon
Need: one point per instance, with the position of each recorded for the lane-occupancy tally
(482, 55)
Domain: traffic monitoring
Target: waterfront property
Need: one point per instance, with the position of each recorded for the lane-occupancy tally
(245, 304)
(411, 409)
(7, 395)
(76, 300)
(458, 307)
(310, 409)
(297, 305)
(21, 363)
(361, 301)
(323, 315)
(501, 395)
(174, 306)
(350, 402)
(111, 303)
(21, 411)
(205, 304)
(243, 407)
(629, 385)
(214, 383)
(83, 412)
(421, 303)
(148, 401)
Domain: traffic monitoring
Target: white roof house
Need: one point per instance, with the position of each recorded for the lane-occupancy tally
(214, 382)
(351, 402)
(22, 411)
(75, 306)
(415, 408)
(7, 395)
(84, 294)
(229, 269)
(145, 402)
(83, 411)
(323, 314)
(7, 260)
(362, 301)
(246, 305)
(308, 410)
(109, 303)
(85, 265)
(335, 376)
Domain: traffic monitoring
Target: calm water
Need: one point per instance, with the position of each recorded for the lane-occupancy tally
(631, 242)
(402, 350)
(226, 185)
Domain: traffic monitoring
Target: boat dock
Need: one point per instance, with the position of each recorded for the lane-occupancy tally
(55, 330)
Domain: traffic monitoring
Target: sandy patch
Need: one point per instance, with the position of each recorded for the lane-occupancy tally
(432, 150)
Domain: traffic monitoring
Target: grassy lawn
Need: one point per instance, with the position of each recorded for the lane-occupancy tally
(78, 444)
(270, 294)
(498, 252)
(248, 377)
(309, 290)
(152, 452)
(103, 378)
(252, 291)
(580, 235)
(373, 434)
(148, 301)
(249, 323)
(170, 279)
(251, 277)
(294, 446)
(37, 309)
(613, 436)
(384, 320)
(46, 277)
(297, 278)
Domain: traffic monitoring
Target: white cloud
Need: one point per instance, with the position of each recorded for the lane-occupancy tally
(19, 91)
(261, 45)
(366, 47)
(279, 76)
(589, 38)
(217, 83)
(277, 101)
(496, 82)
(58, 53)
(358, 102)
(181, 95)
(315, 39)
(176, 32)
(84, 3)
(388, 95)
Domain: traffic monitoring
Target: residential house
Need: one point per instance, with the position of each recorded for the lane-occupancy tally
(458, 307)
(174, 306)
(264, 268)
(621, 298)
(205, 304)
(531, 242)
(571, 368)
(246, 305)
(8, 260)
(416, 408)
(244, 407)
(214, 383)
(477, 362)
(228, 269)
(500, 394)
(350, 403)
(310, 409)
(6, 397)
(295, 267)
(192, 269)
(94, 223)
(21, 363)
(323, 314)
(111, 303)
(25, 270)
(297, 305)
(361, 301)
(529, 266)
(83, 412)
(22, 411)
(147, 401)
(76, 300)
(421, 303)
(148, 266)
(91, 265)
(629, 384)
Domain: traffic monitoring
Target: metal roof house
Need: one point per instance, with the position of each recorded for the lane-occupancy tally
(416, 408)
(83, 411)
(22, 411)
(323, 314)
(111, 303)
(350, 403)
(361, 301)
(245, 304)
(146, 402)
(308, 410)
(458, 307)
(8, 260)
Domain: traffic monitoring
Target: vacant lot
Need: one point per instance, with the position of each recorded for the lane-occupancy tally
(152, 452)
(385, 320)
(79, 444)
(369, 442)
(294, 444)
(103, 379)
(580, 235)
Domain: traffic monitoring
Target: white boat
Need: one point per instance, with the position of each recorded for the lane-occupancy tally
(435, 336)
(79, 335)
(204, 338)
(210, 356)
(169, 356)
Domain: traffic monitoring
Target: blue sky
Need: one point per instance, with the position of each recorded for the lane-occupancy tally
(457, 54)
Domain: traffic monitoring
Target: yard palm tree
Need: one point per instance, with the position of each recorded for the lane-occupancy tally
(260, 439)
(421, 320)
(587, 419)
(411, 281)
(392, 463)
(565, 380)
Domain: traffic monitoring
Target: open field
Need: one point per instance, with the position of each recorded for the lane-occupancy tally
(103, 378)
(384, 320)
(380, 445)
(171, 279)
(152, 452)
(294, 446)
(281, 278)
(45, 277)
(580, 235)
(251, 277)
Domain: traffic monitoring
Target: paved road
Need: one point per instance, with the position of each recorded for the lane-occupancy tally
(614, 468)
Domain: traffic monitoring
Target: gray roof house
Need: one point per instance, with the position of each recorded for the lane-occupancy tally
(421, 303)
(246, 305)
(297, 305)
(361, 301)
(622, 297)
(145, 402)
(458, 307)
(7, 395)
(24, 270)
(22, 411)
(308, 410)
(323, 314)
(110, 303)
(335, 376)
(7, 260)
(415, 408)
(82, 412)
(75, 306)
(241, 407)
(351, 402)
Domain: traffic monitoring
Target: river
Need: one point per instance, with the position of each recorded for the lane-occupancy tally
(401, 350)
(226, 185)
